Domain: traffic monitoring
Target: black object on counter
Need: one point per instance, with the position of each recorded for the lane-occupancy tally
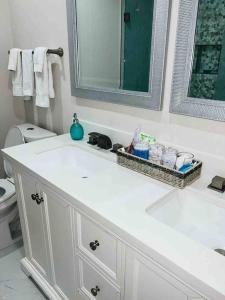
(101, 140)
(93, 138)
(116, 147)
(217, 184)
(104, 142)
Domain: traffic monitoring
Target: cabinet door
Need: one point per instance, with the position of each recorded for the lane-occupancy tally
(59, 224)
(146, 280)
(35, 226)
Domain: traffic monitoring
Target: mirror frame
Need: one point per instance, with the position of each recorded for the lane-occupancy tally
(150, 100)
(184, 54)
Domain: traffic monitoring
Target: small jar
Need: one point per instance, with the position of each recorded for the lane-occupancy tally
(183, 159)
(141, 150)
(169, 158)
(156, 153)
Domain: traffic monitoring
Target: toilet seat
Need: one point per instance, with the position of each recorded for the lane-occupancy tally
(9, 192)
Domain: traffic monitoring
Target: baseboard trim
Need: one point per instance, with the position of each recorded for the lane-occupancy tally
(31, 271)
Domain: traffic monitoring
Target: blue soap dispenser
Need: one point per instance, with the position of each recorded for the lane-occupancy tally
(76, 130)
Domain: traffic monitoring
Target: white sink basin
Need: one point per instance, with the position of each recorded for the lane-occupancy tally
(76, 161)
(199, 217)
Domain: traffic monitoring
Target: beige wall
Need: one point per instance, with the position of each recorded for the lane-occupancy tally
(11, 112)
(35, 24)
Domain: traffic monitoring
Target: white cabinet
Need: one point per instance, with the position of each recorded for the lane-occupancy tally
(35, 226)
(146, 280)
(48, 237)
(72, 256)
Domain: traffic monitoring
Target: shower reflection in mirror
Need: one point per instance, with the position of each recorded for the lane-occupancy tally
(208, 70)
(114, 43)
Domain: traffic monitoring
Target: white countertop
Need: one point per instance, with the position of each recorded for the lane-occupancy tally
(121, 196)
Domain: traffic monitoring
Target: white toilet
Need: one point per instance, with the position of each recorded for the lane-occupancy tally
(10, 230)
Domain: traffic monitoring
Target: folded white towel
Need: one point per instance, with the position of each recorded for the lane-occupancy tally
(15, 65)
(52, 59)
(41, 77)
(28, 73)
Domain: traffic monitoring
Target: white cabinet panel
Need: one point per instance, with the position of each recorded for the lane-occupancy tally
(93, 285)
(49, 236)
(59, 220)
(145, 280)
(34, 215)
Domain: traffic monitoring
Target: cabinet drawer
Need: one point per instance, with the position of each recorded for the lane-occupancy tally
(93, 285)
(99, 245)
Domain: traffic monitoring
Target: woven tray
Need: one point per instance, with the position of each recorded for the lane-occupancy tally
(159, 172)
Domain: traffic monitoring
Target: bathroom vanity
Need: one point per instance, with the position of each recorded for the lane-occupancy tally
(95, 230)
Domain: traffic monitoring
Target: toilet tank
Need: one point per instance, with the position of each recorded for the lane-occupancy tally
(21, 134)
(33, 133)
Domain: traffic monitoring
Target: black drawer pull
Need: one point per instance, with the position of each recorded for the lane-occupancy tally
(94, 245)
(95, 291)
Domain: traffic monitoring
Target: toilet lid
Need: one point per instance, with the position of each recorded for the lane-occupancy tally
(32, 132)
(13, 138)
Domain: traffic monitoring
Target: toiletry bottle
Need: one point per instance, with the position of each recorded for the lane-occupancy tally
(76, 130)
(136, 140)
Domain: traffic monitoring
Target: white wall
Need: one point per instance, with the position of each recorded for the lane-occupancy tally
(46, 25)
(11, 112)
(99, 41)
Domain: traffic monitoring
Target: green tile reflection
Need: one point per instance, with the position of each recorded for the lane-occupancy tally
(208, 72)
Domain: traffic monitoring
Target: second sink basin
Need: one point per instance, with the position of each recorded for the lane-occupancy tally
(193, 214)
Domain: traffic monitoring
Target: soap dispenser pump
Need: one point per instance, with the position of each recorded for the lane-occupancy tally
(76, 130)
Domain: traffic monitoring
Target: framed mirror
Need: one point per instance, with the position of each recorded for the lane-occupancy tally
(117, 50)
(198, 87)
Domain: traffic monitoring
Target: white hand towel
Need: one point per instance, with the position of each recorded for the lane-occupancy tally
(52, 59)
(15, 65)
(39, 56)
(41, 77)
(13, 56)
(28, 73)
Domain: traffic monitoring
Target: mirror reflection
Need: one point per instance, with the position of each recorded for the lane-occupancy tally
(208, 71)
(114, 43)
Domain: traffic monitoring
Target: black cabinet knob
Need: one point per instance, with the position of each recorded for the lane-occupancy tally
(39, 200)
(34, 196)
(94, 245)
(95, 291)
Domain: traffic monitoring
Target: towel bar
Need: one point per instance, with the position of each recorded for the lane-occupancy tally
(58, 51)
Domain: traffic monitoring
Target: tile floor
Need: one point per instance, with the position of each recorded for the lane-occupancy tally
(14, 284)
